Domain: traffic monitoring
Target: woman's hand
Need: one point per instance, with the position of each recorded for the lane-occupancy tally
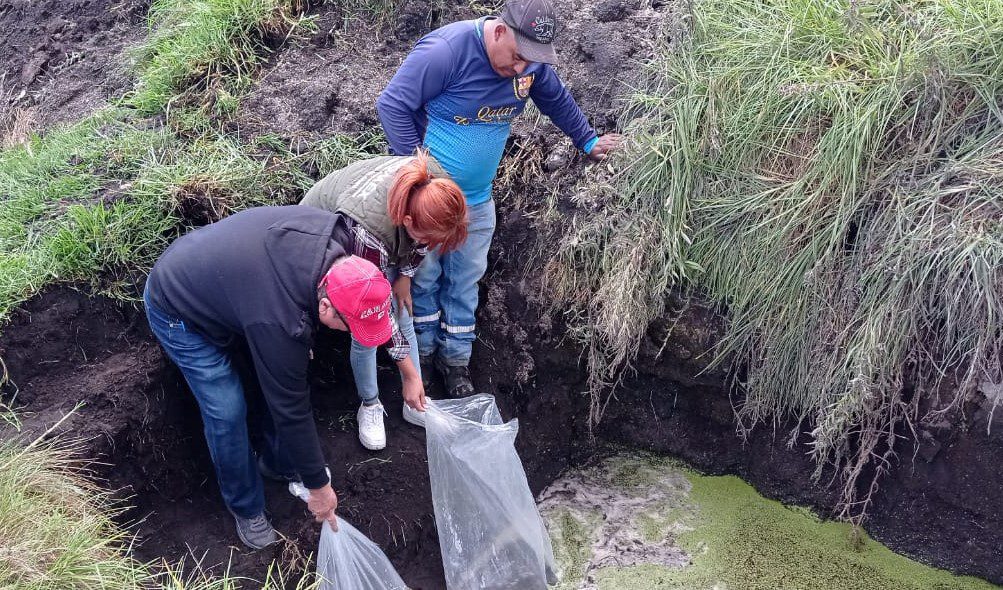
(414, 394)
(322, 504)
(413, 390)
(402, 292)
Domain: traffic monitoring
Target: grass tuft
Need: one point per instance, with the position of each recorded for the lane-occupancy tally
(56, 525)
(202, 54)
(58, 530)
(829, 172)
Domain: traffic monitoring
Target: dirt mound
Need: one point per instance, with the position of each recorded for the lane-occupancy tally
(61, 349)
(65, 59)
(328, 83)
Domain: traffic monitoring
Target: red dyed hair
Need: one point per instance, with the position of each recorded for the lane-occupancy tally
(436, 205)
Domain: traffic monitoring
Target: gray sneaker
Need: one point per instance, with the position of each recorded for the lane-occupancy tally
(257, 532)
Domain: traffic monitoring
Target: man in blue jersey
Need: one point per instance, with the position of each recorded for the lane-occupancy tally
(456, 94)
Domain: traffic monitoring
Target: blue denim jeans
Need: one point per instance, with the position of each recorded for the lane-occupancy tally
(364, 357)
(444, 291)
(216, 386)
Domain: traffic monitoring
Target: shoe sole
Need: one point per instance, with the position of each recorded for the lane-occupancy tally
(372, 446)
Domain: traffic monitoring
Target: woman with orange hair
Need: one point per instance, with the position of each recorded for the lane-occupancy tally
(397, 207)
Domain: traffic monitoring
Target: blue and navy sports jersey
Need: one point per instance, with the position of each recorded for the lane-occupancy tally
(446, 96)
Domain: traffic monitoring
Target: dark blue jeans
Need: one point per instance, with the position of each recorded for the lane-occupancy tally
(216, 386)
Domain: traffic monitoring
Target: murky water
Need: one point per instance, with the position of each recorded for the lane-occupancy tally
(646, 523)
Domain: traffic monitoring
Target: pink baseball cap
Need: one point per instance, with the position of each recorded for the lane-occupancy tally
(361, 294)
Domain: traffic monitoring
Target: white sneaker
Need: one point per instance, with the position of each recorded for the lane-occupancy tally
(414, 416)
(372, 434)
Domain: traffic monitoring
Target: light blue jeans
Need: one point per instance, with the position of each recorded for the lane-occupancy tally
(444, 291)
(364, 357)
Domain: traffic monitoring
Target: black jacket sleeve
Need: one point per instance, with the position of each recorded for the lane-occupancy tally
(281, 364)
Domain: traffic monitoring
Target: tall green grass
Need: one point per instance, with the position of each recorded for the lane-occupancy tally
(66, 212)
(57, 527)
(830, 172)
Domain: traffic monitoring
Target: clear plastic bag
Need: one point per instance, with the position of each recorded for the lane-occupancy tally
(348, 560)
(490, 532)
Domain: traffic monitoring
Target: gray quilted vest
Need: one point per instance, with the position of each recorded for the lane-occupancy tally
(360, 191)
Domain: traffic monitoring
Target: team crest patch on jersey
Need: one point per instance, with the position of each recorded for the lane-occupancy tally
(522, 85)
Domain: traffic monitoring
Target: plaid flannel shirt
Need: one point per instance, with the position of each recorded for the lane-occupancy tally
(373, 249)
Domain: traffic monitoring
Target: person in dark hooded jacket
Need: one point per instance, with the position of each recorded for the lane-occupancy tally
(270, 276)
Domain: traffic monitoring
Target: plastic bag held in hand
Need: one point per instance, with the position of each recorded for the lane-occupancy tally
(490, 532)
(348, 560)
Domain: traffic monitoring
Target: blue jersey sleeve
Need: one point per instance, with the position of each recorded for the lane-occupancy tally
(553, 99)
(401, 106)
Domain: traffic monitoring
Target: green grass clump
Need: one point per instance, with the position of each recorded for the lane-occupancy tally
(201, 55)
(58, 531)
(99, 201)
(829, 172)
(66, 212)
(56, 527)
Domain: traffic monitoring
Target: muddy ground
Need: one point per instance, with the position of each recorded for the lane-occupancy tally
(65, 59)
(943, 507)
(139, 418)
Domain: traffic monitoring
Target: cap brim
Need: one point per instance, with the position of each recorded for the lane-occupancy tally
(535, 51)
(371, 333)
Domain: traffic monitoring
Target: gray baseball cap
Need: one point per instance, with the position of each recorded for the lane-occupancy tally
(534, 23)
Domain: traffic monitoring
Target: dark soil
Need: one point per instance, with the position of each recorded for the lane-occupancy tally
(143, 427)
(328, 83)
(65, 59)
(943, 507)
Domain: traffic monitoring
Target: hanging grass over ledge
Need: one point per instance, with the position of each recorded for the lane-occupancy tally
(57, 527)
(831, 172)
(99, 201)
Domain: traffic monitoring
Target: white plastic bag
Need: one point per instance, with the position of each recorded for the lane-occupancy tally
(490, 532)
(348, 560)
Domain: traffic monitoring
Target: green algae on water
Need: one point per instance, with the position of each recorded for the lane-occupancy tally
(678, 530)
(743, 541)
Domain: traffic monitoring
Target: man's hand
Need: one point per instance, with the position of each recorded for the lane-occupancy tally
(322, 504)
(606, 144)
(402, 292)
(413, 390)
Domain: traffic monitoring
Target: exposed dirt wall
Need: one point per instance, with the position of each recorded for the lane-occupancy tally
(62, 60)
(938, 503)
